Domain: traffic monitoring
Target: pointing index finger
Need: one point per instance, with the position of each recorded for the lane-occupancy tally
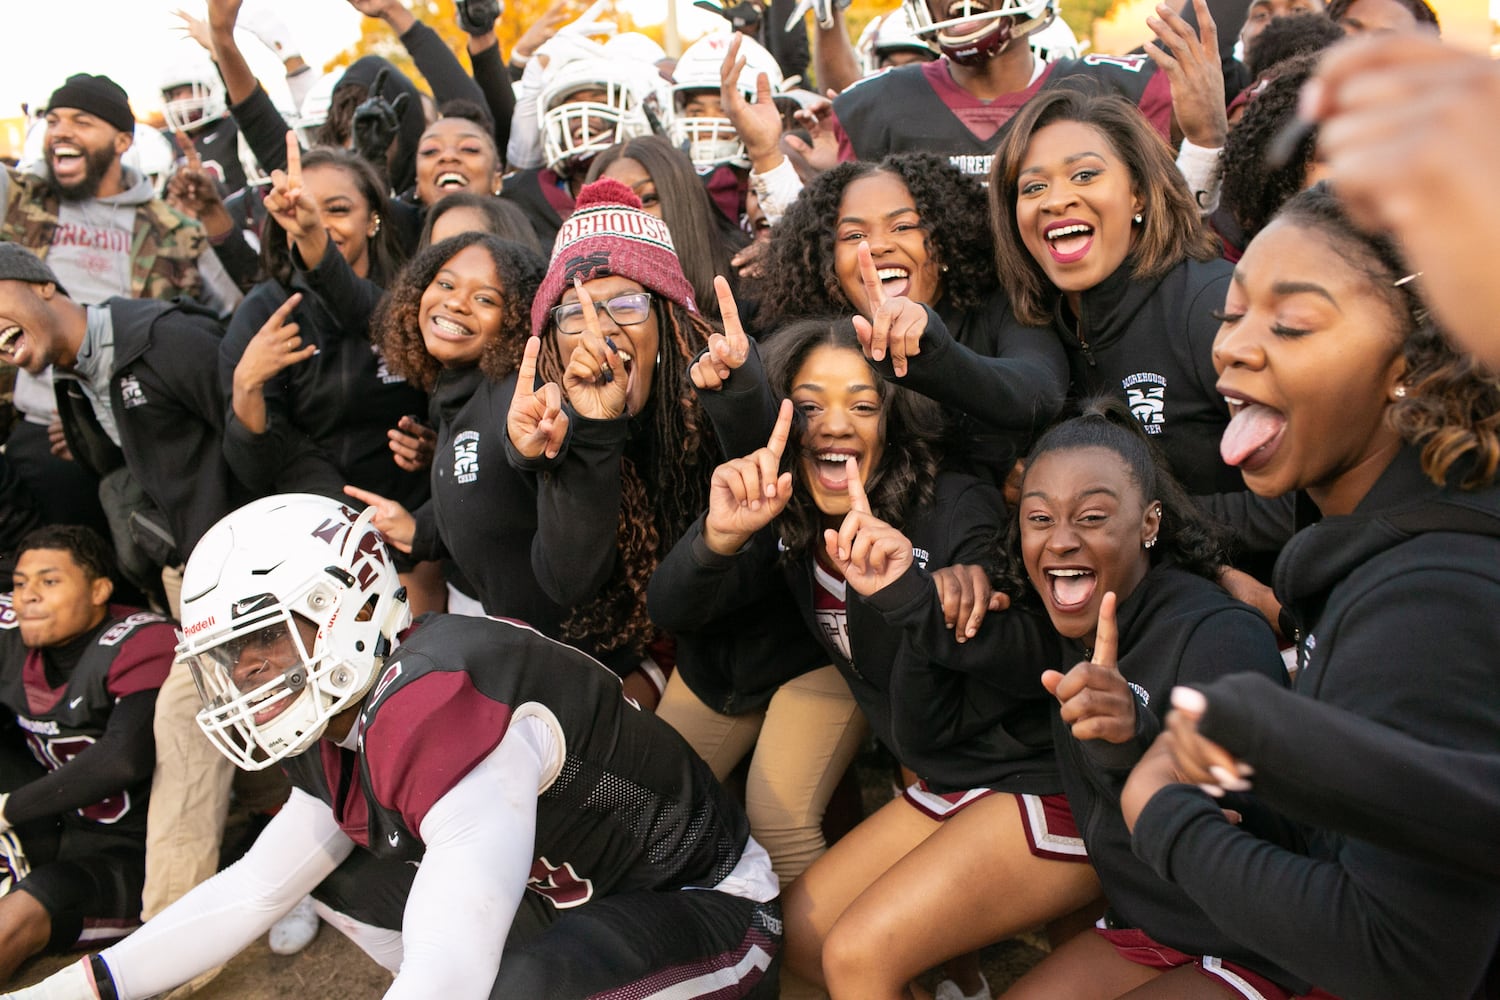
(526, 374)
(729, 311)
(782, 430)
(190, 155)
(293, 162)
(590, 314)
(857, 499)
(1107, 633)
(871, 277)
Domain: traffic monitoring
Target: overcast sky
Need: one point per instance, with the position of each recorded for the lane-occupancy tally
(136, 43)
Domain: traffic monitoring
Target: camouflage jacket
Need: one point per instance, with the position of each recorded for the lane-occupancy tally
(164, 245)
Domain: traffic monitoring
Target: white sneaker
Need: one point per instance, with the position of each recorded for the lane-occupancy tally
(296, 930)
(948, 990)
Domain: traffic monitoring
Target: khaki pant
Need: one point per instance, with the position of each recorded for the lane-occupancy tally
(189, 789)
(804, 740)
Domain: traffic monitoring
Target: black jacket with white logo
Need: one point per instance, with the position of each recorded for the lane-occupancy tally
(1397, 625)
(164, 394)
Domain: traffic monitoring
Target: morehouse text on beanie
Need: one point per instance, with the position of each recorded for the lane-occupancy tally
(609, 235)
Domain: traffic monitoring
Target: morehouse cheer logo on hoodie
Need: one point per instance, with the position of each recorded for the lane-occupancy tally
(466, 456)
(1146, 394)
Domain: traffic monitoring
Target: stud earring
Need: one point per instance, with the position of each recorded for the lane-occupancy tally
(1400, 392)
(1150, 542)
(376, 230)
(1139, 219)
(944, 269)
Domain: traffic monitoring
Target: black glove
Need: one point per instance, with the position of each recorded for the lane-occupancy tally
(743, 16)
(478, 17)
(377, 122)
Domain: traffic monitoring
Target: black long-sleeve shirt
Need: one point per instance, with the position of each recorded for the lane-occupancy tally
(1398, 628)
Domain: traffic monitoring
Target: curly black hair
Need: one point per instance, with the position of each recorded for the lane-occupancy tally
(89, 550)
(799, 266)
(1287, 37)
(1452, 404)
(396, 329)
(1186, 538)
(664, 478)
(1250, 189)
(904, 481)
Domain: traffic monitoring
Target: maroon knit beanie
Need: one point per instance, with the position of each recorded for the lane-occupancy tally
(608, 234)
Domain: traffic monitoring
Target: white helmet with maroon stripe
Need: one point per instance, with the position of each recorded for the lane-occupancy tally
(972, 32)
(289, 607)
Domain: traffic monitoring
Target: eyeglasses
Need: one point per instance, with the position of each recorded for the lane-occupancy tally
(625, 310)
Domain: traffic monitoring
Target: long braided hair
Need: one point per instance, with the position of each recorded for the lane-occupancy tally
(664, 481)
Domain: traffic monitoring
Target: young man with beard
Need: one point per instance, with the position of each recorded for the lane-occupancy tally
(104, 233)
(78, 682)
(99, 224)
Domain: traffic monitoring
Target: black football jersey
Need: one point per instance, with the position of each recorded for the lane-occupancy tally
(631, 806)
(131, 651)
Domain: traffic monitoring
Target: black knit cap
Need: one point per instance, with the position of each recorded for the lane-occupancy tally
(19, 264)
(99, 96)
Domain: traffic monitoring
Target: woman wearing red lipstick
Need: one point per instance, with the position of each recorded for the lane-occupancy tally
(1124, 565)
(1098, 237)
(968, 717)
(999, 381)
(1345, 393)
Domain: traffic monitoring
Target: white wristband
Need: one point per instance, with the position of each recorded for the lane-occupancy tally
(75, 982)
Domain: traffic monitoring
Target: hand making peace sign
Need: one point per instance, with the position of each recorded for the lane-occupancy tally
(896, 323)
(535, 422)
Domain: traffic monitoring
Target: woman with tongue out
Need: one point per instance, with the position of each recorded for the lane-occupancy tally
(1124, 565)
(974, 852)
(1345, 394)
(999, 380)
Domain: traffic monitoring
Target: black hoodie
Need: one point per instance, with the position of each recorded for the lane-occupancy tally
(1398, 627)
(1175, 628)
(1150, 343)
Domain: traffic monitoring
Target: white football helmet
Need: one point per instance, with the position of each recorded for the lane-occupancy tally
(633, 102)
(634, 46)
(152, 155)
(710, 141)
(972, 32)
(315, 105)
(205, 101)
(289, 608)
(886, 34)
(1055, 40)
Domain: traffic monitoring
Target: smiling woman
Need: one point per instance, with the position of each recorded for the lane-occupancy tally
(1098, 237)
(999, 380)
(632, 474)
